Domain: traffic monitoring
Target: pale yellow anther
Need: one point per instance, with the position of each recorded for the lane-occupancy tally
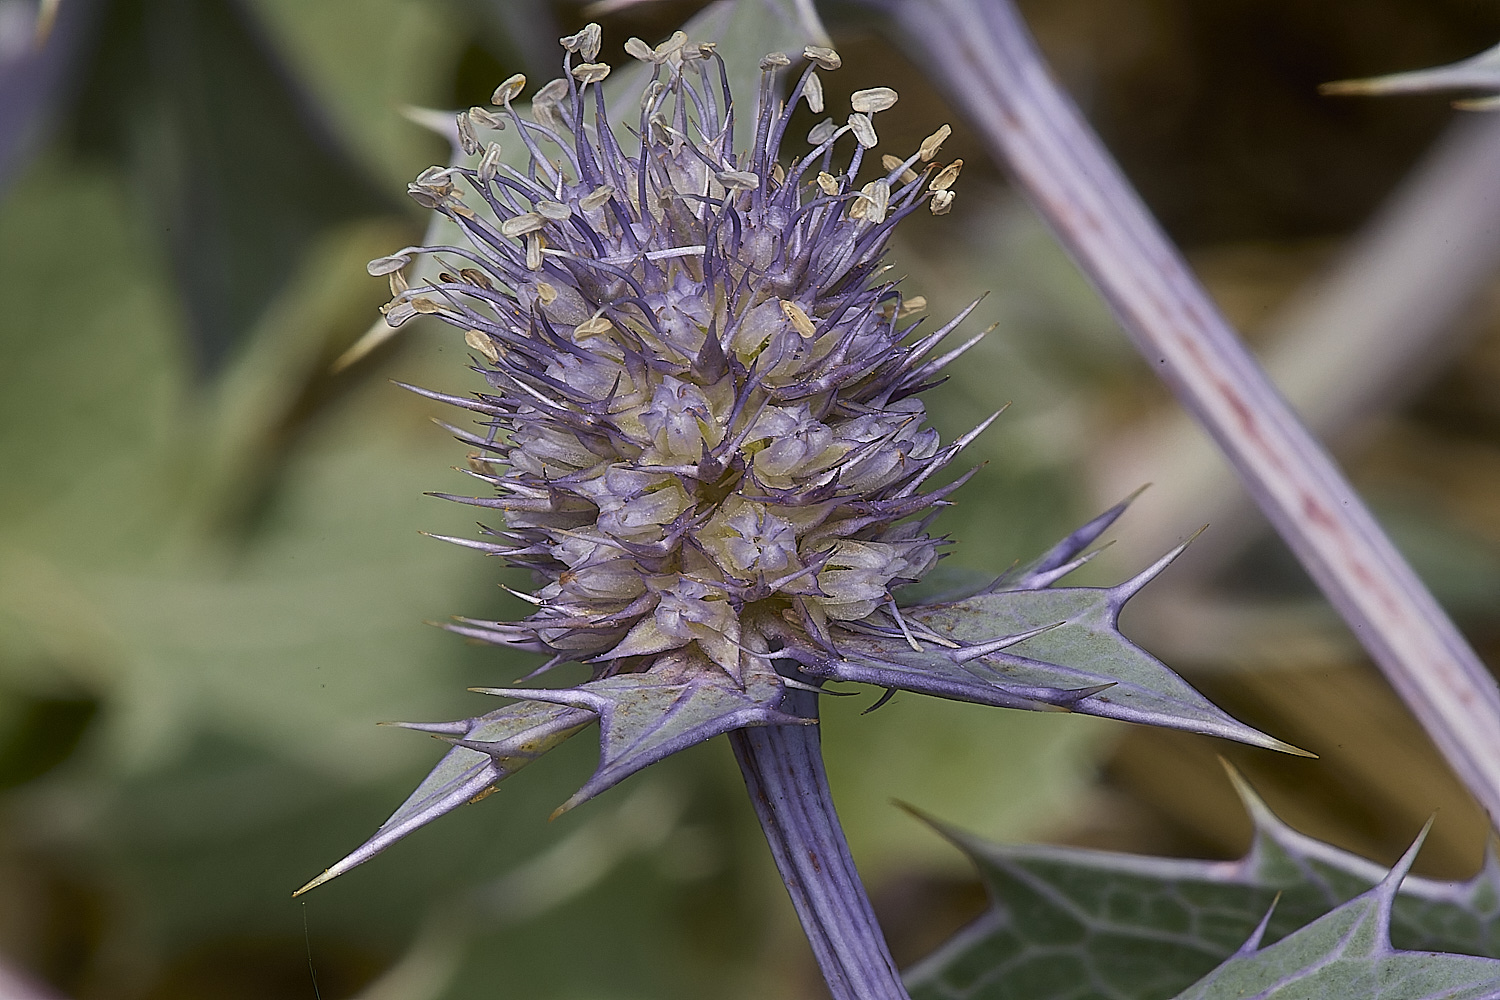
(425, 305)
(890, 163)
(481, 342)
(653, 90)
(912, 304)
(637, 49)
(476, 278)
(484, 118)
(778, 174)
(468, 139)
(554, 210)
(941, 202)
(828, 182)
(509, 90)
(875, 197)
(738, 180)
(596, 326)
(799, 319)
(489, 163)
(863, 129)
(822, 132)
(933, 143)
(596, 197)
(670, 47)
(551, 92)
(545, 293)
(520, 225)
(534, 245)
(813, 91)
(945, 178)
(585, 42)
(875, 99)
(386, 265)
(825, 57)
(398, 282)
(774, 60)
(591, 72)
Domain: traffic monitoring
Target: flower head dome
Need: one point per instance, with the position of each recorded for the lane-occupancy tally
(703, 427)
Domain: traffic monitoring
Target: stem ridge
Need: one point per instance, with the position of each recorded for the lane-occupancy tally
(783, 771)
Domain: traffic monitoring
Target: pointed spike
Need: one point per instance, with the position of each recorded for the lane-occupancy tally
(1252, 943)
(440, 123)
(483, 776)
(554, 661)
(813, 689)
(1260, 813)
(895, 612)
(1120, 593)
(1391, 884)
(528, 598)
(572, 697)
(379, 332)
(1041, 580)
(488, 548)
(887, 696)
(974, 652)
(1075, 695)
(1065, 550)
(459, 401)
(441, 728)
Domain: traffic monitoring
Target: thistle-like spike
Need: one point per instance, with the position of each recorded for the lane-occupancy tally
(885, 696)
(1038, 581)
(966, 653)
(439, 728)
(1252, 943)
(1122, 592)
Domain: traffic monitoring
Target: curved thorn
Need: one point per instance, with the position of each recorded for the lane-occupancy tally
(974, 652)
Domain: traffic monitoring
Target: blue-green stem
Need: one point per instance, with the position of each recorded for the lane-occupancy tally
(783, 769)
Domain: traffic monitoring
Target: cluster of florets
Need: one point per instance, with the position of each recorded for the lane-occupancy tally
(702, 416)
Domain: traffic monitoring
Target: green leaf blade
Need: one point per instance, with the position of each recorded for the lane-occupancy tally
(1151, 927)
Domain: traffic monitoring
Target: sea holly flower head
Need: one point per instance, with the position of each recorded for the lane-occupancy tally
(702, 427)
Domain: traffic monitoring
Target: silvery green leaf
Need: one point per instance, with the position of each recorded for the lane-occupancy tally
(1039, 649)
(1125, 927)
(1346, 954)
(645, 717)
(493, 747)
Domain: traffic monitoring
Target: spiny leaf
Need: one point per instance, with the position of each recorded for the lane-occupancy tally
(493, 746)
(647, 716)
(1346, 954)
(1076, 923)
(1040, 649)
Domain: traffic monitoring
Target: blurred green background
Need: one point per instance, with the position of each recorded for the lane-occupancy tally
(212, 584)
